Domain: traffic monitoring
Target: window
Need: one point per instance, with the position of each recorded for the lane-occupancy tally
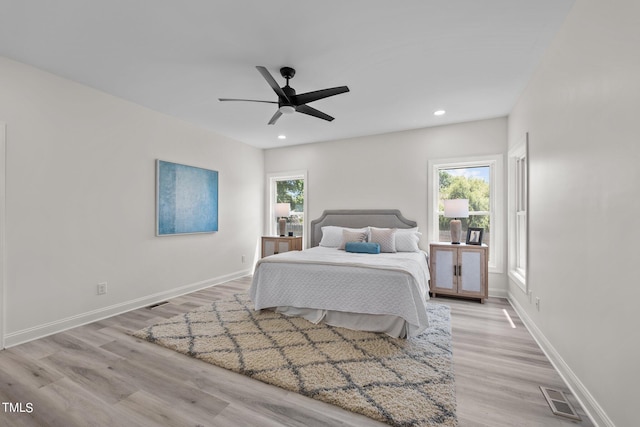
(472, 183)
(480, 181)
(288, 187)
(518, 204)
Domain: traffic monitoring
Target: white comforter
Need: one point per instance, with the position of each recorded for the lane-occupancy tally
(331, 279)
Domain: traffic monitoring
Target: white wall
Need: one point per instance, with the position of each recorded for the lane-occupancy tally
(81, 204)
(388, 171)
(581, 110)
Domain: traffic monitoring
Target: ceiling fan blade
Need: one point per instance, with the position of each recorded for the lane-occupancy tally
(305, 109)
(275, 117)
(272, 82)
(305, 98)
(248, 100)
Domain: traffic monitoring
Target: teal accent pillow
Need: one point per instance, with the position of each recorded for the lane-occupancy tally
(362, 247)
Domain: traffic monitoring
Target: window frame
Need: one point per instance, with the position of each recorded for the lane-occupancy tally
(518, 201)
(271, 192)
(496, 203)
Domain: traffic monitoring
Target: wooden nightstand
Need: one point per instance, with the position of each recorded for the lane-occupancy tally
(460, 270)
(272, 245)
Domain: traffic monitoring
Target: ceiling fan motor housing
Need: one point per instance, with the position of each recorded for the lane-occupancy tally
(287, 73)
(291, 94)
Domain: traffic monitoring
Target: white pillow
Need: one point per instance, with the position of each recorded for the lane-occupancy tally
(386, 237)
(332, 235)
(407, 240)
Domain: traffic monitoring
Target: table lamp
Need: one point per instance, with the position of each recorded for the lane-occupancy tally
(456, 208)
(282, 212)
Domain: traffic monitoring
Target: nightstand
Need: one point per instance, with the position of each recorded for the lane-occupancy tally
(272, 245)
(459, 270)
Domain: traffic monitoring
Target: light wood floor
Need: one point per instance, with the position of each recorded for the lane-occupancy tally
(98, 375)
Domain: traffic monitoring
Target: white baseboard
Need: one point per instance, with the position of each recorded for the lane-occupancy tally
(497, 292)
(595, 412)
(19, 337)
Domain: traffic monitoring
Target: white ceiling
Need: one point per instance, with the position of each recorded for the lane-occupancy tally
(402, 60)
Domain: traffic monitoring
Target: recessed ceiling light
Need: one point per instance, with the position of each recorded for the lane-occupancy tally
(439, 113)
(282, 137)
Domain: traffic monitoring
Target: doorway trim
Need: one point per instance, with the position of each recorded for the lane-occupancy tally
(3, 248)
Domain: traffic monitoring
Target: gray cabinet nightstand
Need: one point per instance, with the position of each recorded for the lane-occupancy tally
(272, 245)
(460, 270)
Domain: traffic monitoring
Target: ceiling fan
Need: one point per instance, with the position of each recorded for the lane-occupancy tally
(288, 102)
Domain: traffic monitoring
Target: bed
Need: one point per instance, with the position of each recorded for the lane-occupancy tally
(385, 292)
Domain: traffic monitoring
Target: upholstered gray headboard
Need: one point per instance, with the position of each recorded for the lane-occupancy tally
(357, 218)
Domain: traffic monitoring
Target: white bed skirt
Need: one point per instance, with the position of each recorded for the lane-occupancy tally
(393, 326)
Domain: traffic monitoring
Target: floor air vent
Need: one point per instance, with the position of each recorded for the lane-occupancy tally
(559, 404)
(156, 305)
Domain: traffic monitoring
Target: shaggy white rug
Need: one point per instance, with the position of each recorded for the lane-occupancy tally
(402, 382)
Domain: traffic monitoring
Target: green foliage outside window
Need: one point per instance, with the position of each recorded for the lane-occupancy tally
(292, 192)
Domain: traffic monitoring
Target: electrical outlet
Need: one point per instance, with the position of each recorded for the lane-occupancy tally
(243, 259)
(538, 303)
(102, 288)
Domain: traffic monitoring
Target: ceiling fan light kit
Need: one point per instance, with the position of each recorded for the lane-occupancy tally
(287, 109)
(288, 101)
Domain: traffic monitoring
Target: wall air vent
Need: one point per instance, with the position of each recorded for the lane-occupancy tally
(559, 404)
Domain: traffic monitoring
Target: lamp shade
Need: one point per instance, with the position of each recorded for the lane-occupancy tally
(282, 209)
(456, 208)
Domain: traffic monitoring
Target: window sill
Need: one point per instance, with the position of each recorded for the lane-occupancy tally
(519, 280)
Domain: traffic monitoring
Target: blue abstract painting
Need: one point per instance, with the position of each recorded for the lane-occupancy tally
(187, 199)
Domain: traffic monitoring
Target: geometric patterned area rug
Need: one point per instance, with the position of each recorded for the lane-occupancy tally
(401, 382)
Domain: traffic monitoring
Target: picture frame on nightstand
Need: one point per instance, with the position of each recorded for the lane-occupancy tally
(474, 236)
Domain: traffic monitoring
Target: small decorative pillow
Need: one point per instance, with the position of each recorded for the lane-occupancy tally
(407, 240)
(352, 236)
(386, 237)
(332, 235)
(362, 247)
